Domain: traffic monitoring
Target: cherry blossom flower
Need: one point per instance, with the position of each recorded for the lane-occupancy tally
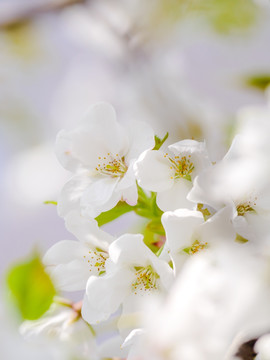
(217, 303)
(71, 262)
(236, 181)
(171, 173)
(101, 153)
(187, 233)
(133, 274)
(63, 330)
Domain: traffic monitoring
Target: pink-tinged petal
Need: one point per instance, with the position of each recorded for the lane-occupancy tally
(70, 196)
(130, 195)
(141, 138)
(86, 230)
(72, 276)
(105, 294)
(64, 151)
(100, 196)
(129, 249)
(98, 135)
(128, 187)
(180, 225)
(175, 197)
(153, 171)
(63, 252)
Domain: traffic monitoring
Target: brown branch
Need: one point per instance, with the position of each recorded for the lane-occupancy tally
(246, 350)
(11, 15)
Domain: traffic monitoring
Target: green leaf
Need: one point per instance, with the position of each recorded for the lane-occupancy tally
(50, 202)
(259, 82)
(147, 205)
(31, 288)
(159, 142)
(120, 209)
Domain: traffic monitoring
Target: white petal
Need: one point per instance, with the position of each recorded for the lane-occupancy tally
(98, 135)
(128, 187)
(129, 249)
(164, 271)
(64, 151)
(188, 146)
(219, 227)
(100, 196)
(206, 190)
(175, 197)
(180, 226)
(104, 294)
(63, 252)
(128, 179)
(111, 347)
(153, 171)
(242, 227)
(133, 336)
(87, 230)
(66, 264)
(141, 138)
(72, 276)
(70, 196)
(130, 195)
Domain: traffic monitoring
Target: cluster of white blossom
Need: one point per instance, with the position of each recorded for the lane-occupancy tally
(200, 287)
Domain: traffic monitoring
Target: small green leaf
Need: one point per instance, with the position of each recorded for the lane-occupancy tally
(120, 209)
(147, 205)
(259, 82)
(31, 288)
(159, 142)
(50, 202)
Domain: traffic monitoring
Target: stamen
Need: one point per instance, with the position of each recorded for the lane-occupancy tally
(182, 166)
(146, 279)
(242, 209)
(195, 247)
(114, 166)
(96, 261)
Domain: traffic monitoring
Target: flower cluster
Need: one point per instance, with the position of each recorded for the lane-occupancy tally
(193, 284)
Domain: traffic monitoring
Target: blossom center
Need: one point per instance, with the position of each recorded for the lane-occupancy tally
(146, 279)
(181, 165)
(195, 247)
(111, 165)
(242, 209)
(96, 260)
